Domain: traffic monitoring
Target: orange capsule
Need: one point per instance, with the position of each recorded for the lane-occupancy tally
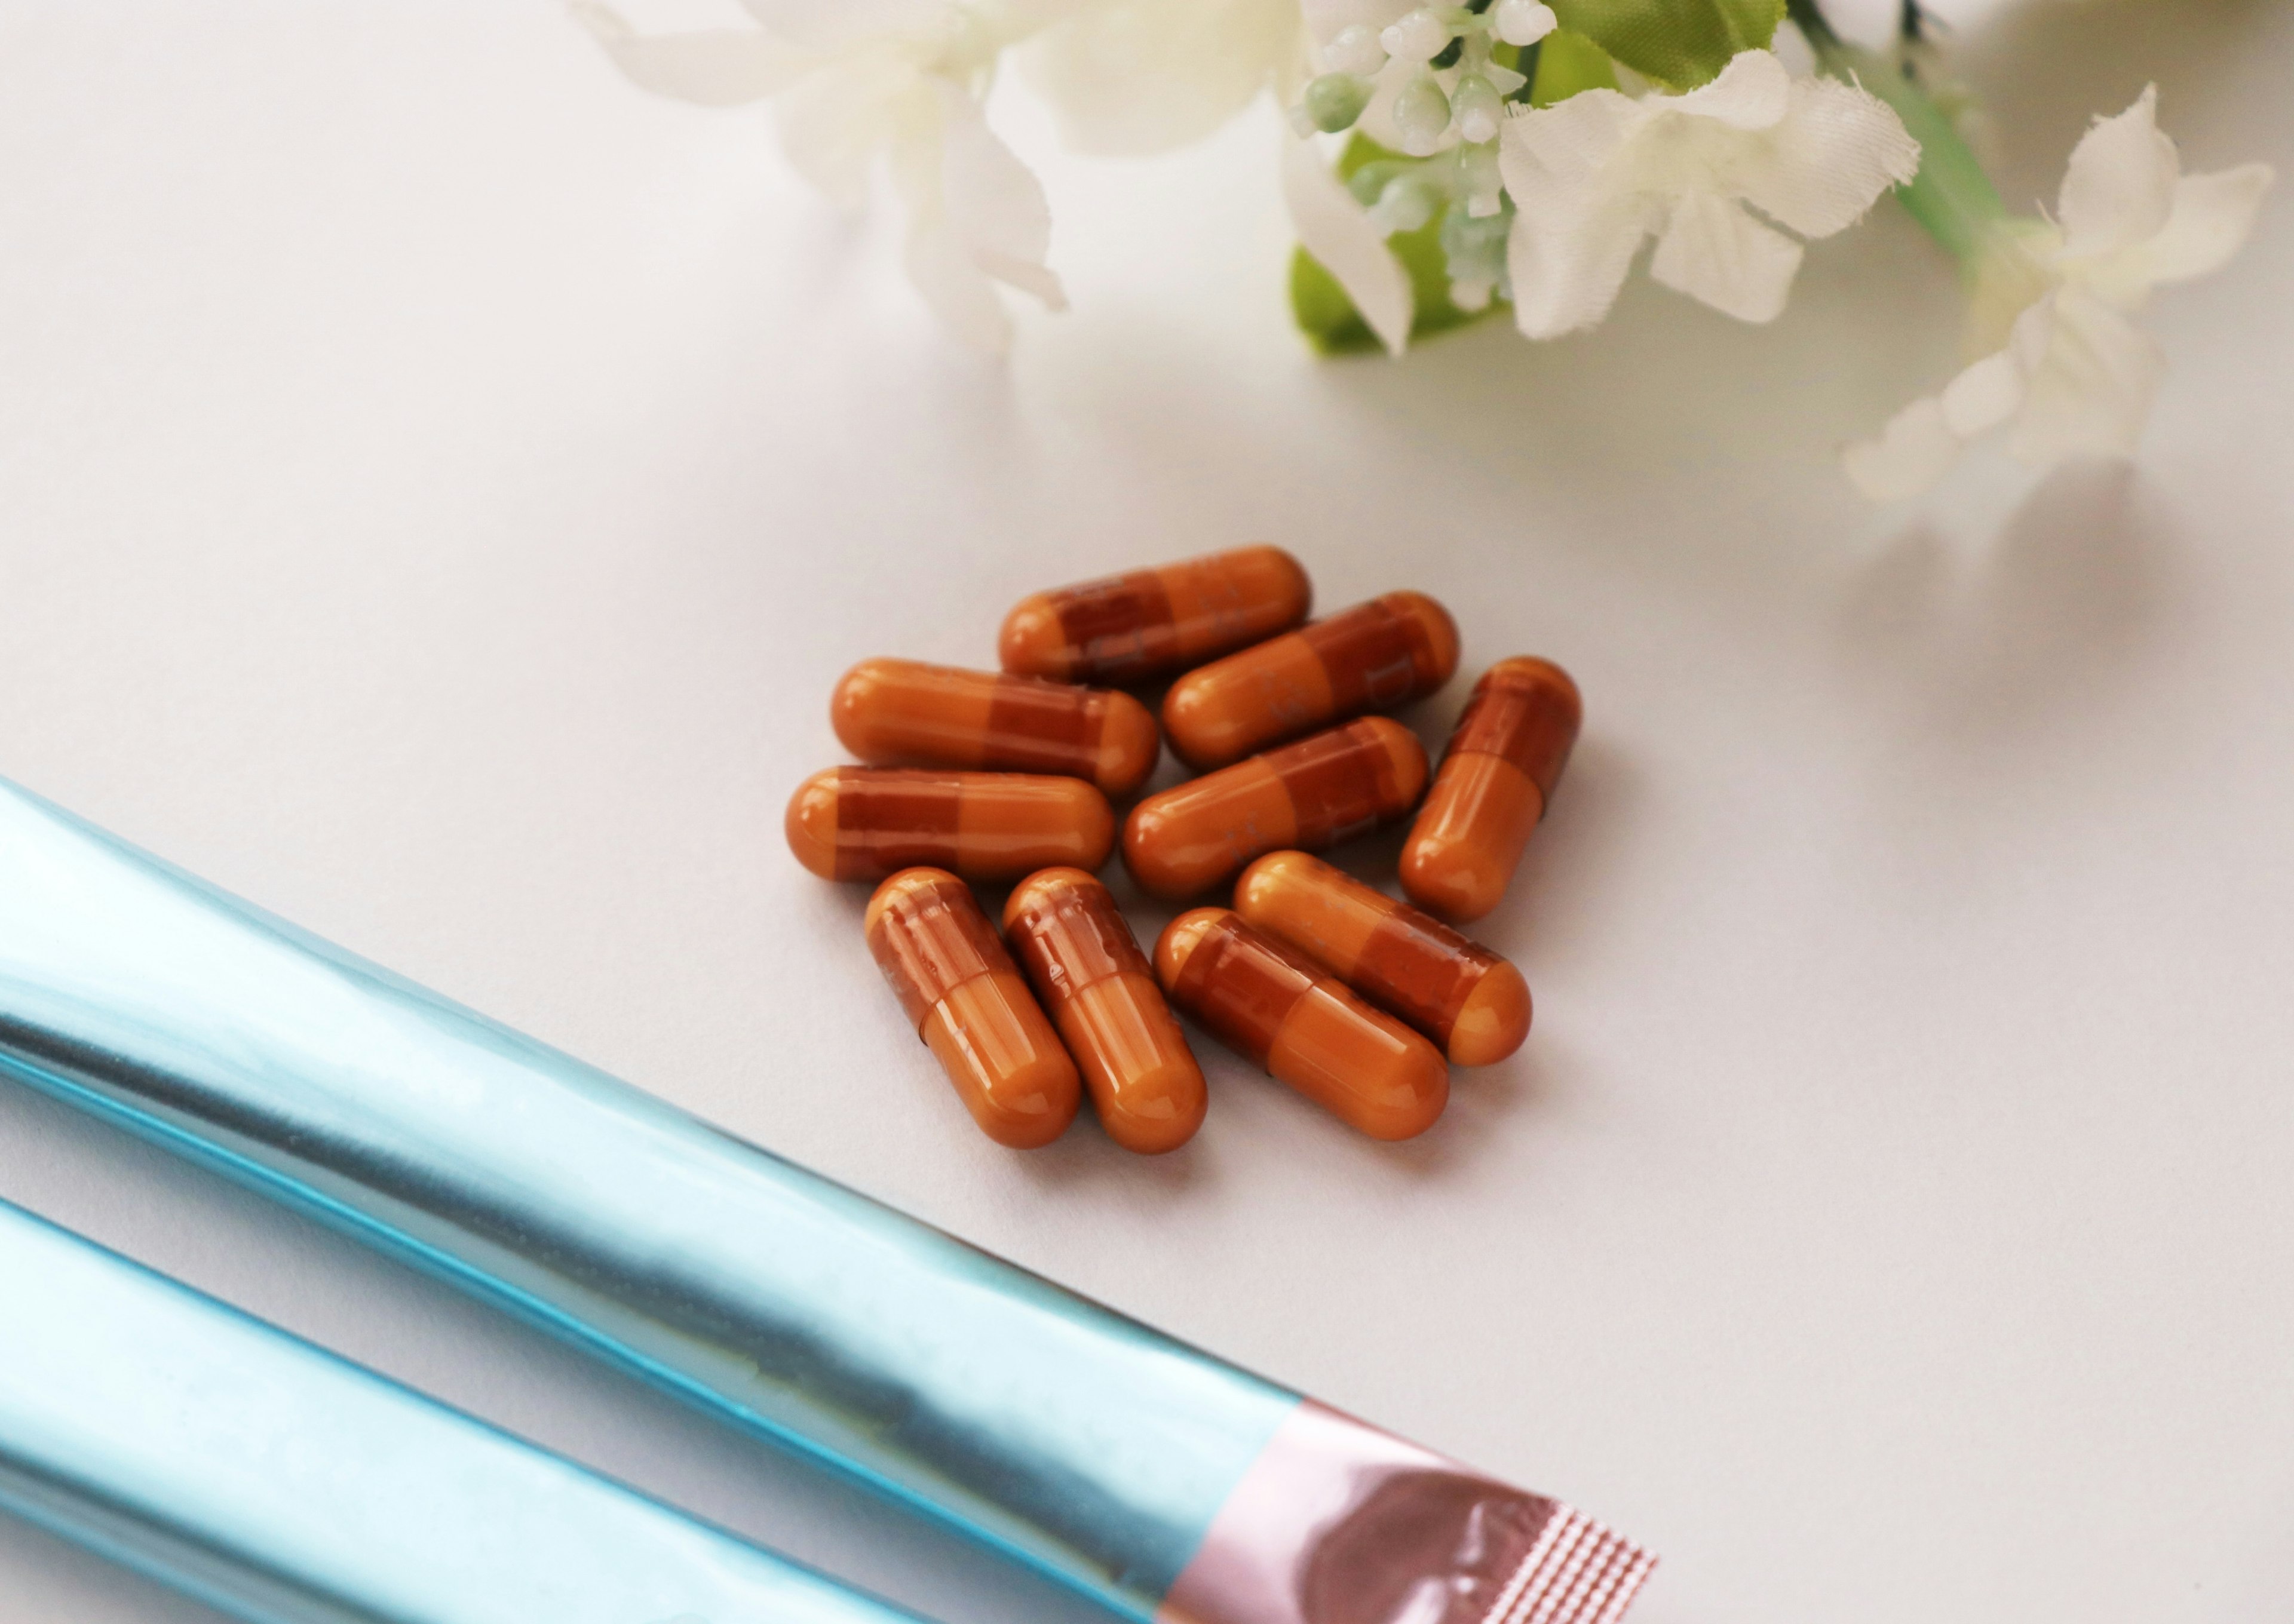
(900, 713)
(1300, 1025)
(1085, 965)
(1472, 1003)
(1504, 757)
(971, 1007)
(864, 823)
(1314, 793)
(1372, 657)
(1134, 629)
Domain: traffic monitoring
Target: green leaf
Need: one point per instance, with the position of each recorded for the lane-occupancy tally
(1328, 318)
(1566, 63)
(1680, 43)
(1324, 313)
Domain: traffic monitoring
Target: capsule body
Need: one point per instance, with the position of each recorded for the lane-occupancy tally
(971, 1009)
(1314, 793)
(1503, 760)
(865, 822)
(1372, 657)
(902, 713)
(1301, 1025)
(1471, 1002)
(1087, 967)
(1154, 623)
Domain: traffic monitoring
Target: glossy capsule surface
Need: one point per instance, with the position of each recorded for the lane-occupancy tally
(865, 823)
(1153, 623)
(1504, 756)
(1372, 657)
(1301, 1024)
(1314, 793)
(1474, 1004)
(971, 1007)
(1087, 967)
(903, 713)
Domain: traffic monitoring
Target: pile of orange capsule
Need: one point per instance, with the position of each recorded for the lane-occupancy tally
(1358, 1002)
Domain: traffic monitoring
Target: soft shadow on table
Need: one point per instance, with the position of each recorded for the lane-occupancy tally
(2052, 622)
(2047, 71)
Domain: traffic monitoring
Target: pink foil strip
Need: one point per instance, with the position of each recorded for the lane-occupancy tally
(1338, 1523)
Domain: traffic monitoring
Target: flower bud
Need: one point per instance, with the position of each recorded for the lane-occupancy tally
(1405, 205)
(1421, 113)
(1524, 22)
(1335, 100)
(1474, 251)
(1471, 296)
(1477, 109)
(1418, 37)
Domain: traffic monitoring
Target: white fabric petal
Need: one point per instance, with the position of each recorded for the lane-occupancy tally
(715, 67)
(1337, 231)
(2119, 185)
(956, 290)
(1753, 93)
(1567, 144)
(1567, 254)
(995, 205)
(1576, 227)
(834, 125)
(1915, 449)
(1712, 250)
(939, 263)
(1127, 77)
(976, 216)
(2211, 216)
(2031, 333)
(2018, 264)
(1827, 161)
(1984, 395)
(1812, 154)
(2091, 390)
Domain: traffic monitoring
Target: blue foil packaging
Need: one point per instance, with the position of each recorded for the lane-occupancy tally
(274, 1481)
(1160, 1480)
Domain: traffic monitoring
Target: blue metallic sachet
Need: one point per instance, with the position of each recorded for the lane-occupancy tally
(281, 1484)
(1152, 1477)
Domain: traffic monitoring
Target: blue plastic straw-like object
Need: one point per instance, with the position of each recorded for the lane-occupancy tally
(271, 1480)
(1163, 1482)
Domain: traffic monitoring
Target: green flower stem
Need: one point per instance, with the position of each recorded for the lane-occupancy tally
(1950, 196)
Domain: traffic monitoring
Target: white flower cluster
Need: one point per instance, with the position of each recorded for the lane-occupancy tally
(1535, 187)
(2061, 364)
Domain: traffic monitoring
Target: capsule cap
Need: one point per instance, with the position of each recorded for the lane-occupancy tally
(1524, 710)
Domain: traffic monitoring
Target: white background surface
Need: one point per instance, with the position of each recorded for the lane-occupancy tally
(438, 486)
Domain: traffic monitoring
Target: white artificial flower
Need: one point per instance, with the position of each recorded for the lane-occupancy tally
(902, 81)
(2061, 364)
(1453, 113)
(1126, 77)
(1390, 43)
(1594, 175)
